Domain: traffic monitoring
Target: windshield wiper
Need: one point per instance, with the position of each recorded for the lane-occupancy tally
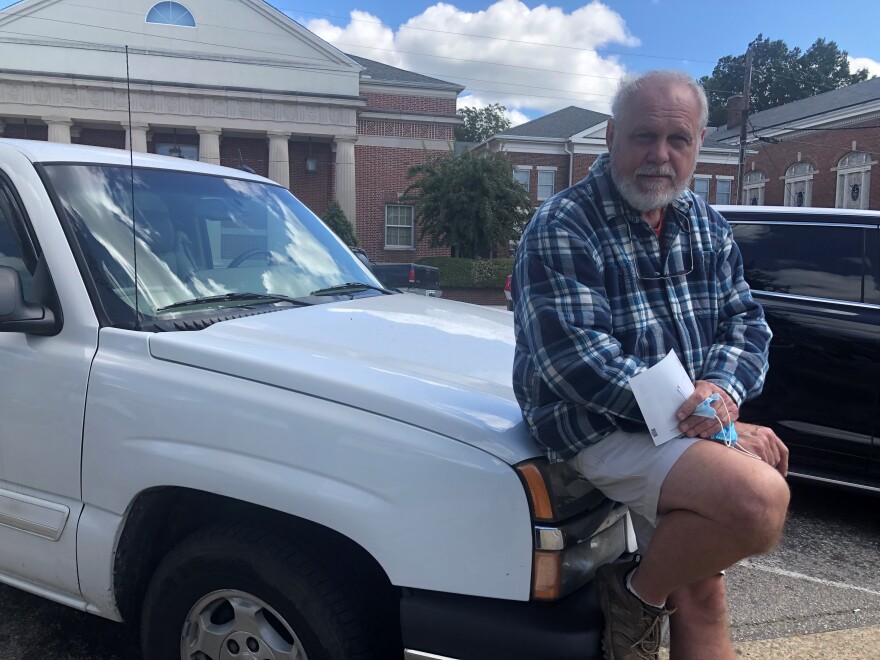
(234, 297)
(347, 287)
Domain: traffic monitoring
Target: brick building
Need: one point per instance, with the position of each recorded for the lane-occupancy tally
(554, 151)
(819, 151)
(245, 85)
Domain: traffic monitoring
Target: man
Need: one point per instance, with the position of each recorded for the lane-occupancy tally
(609, 277)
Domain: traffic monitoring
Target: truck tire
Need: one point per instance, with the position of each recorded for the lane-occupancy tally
(238, 589)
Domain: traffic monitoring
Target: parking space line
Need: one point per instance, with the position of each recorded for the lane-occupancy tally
(800, 576)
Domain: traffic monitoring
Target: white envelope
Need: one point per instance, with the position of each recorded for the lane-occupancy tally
(660, 391)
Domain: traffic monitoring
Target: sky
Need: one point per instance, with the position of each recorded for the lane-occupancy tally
(535, 58)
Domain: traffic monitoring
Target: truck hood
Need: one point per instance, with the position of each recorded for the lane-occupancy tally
(436, 364)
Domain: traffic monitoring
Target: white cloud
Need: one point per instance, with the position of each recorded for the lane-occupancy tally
(873, 66)
(558, 68)
(473, 101)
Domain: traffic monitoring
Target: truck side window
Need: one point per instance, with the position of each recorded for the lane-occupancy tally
(803, 260)
(872, 267)
(10, 249)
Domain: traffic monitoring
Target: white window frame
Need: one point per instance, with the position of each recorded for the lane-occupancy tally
(792, 180)
(543, 170)
(411, 226)
(723, 179)
(523, 169)
(701, 178)
(187, 12)
(754, 187)
(847, 175)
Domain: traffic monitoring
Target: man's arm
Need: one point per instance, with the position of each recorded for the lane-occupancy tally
(736, 363)
(737, 360)
(566, 321)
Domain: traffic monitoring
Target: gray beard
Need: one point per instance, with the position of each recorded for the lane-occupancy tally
(642, 200)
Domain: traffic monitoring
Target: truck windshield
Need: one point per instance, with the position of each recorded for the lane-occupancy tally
(196, 239)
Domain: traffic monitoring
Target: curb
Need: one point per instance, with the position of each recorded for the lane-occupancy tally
(852, 644)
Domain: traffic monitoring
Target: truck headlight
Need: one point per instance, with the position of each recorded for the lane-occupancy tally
(576, 528)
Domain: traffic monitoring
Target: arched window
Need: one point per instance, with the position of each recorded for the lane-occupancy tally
(753, 186)
(171, 13)
(799, 185)
(854, 181)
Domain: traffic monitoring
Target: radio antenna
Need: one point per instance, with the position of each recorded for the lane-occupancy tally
(137, 315)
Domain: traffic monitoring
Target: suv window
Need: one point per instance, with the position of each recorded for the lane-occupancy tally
(872, 267)
(10, 251)
(804, 260)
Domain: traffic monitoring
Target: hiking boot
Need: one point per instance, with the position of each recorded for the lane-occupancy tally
(632, 629)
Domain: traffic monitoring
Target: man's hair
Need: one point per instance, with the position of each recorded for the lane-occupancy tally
(632, 83)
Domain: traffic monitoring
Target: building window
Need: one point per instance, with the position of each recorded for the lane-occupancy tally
(546, 183)
(753, 188)
(522, 175)
(398, 226)
(854, 181)
(799, 185)
(701, 187)
(171, 13)
(187, 151)
(722, 191)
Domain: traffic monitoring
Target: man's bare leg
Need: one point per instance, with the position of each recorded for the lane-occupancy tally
(717, 506)
(699, 630)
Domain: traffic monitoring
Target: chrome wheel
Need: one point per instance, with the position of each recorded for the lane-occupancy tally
(234, 625)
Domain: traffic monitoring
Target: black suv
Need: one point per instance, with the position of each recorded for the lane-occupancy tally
(817, 274)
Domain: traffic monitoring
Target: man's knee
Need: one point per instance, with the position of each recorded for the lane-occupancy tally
(758, 512)
(746, 497)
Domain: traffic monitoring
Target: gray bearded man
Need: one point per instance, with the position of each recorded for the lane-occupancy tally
(611, 276)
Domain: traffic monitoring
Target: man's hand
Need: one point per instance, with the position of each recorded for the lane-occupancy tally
(694, 425)
(763, 442)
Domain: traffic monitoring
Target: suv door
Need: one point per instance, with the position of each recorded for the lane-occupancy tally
(42, 399)
(872, 297)
(822, 388)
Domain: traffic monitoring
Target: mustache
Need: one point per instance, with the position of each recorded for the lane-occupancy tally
(655, 170)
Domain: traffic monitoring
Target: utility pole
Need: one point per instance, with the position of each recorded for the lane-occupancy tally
(743, 127)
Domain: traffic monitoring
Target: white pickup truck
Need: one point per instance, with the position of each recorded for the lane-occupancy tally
(216, 424)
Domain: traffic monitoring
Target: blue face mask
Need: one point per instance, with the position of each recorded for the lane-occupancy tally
(704, 409)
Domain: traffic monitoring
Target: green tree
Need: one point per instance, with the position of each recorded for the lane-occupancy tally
(481, 123)
(779, 75)
(336, 220)
(469, 203)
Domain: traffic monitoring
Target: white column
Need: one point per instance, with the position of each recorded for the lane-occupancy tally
(345, 177)
(136, 137)
(59, 129)
(279, 157)
(209, 144)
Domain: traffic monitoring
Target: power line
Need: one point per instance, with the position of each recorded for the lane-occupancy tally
(518, 41)
(85, 45)
(201, 56)
(402, 27)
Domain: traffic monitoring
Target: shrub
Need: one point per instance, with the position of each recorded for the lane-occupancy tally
(461, 273)
(339, 224)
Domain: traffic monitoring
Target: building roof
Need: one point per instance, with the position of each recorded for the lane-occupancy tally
(813, 106)
(383, 73)
(572, 120)
(560, 124)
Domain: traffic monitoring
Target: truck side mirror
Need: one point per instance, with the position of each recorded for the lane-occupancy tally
(19, 315)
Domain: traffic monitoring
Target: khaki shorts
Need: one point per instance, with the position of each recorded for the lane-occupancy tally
(630, 468)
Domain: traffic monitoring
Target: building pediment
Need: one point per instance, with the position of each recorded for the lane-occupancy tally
(248, 44)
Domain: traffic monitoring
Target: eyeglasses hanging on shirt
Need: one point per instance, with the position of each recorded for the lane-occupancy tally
(661, 276)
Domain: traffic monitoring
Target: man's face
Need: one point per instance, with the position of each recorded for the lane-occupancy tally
(654, 144)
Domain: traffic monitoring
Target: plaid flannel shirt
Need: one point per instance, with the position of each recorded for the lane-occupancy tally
(586, 321)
